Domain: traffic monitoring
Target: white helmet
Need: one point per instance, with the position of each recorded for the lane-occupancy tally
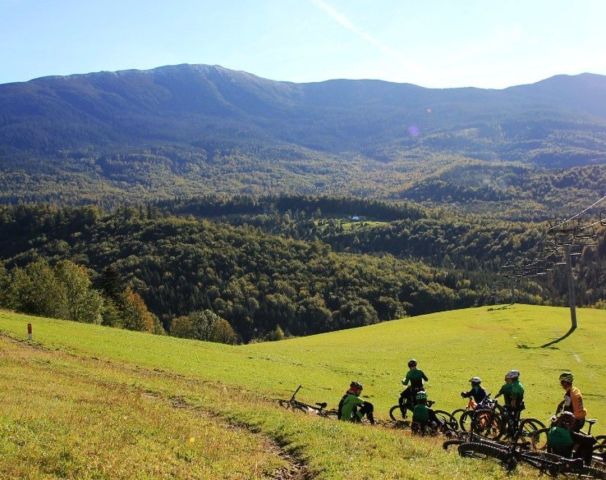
(475, 380)
(513, 374)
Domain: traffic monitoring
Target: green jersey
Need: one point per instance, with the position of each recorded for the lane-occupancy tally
(506, 392)
(420, 413)
(559, 437)
(512, 392)
(517, 391)
(348, 405)
(415, 377)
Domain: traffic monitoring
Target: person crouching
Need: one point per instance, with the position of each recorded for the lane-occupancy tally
(352, 408)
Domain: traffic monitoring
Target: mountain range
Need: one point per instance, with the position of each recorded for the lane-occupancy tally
(189, 129)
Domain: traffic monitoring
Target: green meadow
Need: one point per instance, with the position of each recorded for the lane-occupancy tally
(161, 407)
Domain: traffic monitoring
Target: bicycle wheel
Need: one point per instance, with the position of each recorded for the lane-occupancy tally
(447, 419)
(466, 420)
(538, 440)
(487, 424)
(593, 472)
(456, 414)
(483, 451)
(395, 413)
(449, 443)
(526, 428)
(599, 449)
(285, 404)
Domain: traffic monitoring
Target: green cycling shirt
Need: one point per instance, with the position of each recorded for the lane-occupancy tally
(415, 377)
(420, 413)
(559, 437)
(348, 406)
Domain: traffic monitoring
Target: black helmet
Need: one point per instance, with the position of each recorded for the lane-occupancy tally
(513, 374)
(566, 377)
(356, 385)
(412, 363)
(565, 418)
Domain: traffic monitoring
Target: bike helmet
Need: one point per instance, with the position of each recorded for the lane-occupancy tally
(566, 377)
(475, 380)
(513, 374)
(356, 385)
(565, 418)
(421, 395)
(412, 363)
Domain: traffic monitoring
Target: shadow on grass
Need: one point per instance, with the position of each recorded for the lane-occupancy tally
(557, 340)
(549, 345)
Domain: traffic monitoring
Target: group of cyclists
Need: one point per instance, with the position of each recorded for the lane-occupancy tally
(563, 438)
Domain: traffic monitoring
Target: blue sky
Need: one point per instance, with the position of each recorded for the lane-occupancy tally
(434, 43)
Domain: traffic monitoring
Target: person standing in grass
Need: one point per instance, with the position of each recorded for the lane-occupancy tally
(573, 401)
(414, 383)
(513, 393)
(352, 408)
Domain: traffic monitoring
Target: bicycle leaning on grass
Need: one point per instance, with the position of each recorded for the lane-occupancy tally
(511, 454)
(316, 409)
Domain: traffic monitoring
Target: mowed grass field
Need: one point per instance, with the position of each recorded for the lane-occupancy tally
(208, 411)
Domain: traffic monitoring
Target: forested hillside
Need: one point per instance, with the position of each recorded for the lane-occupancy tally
(193, 129)
(268, 268)
(256, 281)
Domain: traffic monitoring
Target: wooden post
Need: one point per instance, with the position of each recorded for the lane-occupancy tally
(29, 331)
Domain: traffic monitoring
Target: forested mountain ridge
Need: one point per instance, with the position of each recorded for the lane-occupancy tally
(192, 129)
(189, 103)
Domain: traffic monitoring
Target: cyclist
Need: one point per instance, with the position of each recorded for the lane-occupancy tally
(352, 408)
(477, 393)
(422, 415)
(513, 393)
(415, 377)
(573, 401)
(564, 441)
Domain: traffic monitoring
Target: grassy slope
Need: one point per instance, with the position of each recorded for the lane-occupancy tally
(61, 418)
(450, 346)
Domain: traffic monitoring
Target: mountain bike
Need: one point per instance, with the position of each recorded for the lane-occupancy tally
(395, 413)
(538, 442)
(487, 403)
(495, 422)
(317, 409)
(509, 455)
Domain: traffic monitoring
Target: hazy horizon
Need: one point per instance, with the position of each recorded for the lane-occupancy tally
(436, 44)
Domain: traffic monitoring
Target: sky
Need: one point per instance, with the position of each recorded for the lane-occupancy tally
(433, 43)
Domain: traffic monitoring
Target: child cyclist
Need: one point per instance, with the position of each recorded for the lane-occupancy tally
(477, 394)
(352, 408)
(414, 383)
(513, 393)
(422, 415)
(564, 441)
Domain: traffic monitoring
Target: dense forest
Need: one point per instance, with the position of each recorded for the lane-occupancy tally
(256, 281)
(248, 268)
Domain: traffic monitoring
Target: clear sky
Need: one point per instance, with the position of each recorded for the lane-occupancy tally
(434, 43)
